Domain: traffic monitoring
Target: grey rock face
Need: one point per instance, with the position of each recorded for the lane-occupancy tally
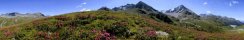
(181, 12)
(144, 9)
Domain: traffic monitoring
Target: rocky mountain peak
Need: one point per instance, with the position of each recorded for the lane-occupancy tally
(13, 13)
(144, 9)
(104, 8)
(178, 9)
(182, 6)
(142, 5)
(182, 12)
(141, 2)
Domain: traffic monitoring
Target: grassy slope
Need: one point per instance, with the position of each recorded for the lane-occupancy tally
(114, 25)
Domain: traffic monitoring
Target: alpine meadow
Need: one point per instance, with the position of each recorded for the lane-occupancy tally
(131, 21)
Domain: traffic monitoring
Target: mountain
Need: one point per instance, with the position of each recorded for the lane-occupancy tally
(143, 9)
(183, 13)
(17, 18)
(16, 14)
(225, 20)
(140, 6)
(242, 21)
(104, 8)
(144, 6)
(188, 17)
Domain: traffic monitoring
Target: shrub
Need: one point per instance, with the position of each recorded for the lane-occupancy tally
(45, 27)
(119, 31)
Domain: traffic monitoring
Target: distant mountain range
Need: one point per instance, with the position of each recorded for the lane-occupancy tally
(179, 13)
(242, 22)
(16, 18)
(221, 19)
(16, 14)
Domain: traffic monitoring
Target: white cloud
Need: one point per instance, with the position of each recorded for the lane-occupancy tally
(84, 3)
(230, 4)
(208, 12)
(85, 9)
(233, 2)
(205, 3)
(81, 5)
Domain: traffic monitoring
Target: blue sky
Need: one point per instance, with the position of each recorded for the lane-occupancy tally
(229, 8)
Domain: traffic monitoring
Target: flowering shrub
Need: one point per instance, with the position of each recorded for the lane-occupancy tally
(7, 33)
(103, 35)
(47, 35)
(151, 33)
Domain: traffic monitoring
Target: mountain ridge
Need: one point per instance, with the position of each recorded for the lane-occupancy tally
(16, 14)
(223, 19)
(181, 12)
(15, 18)
(144, 9)
(184, 17)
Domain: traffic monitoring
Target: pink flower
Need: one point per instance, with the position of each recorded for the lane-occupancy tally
(94, 31)
(105, 35)
(7, 33)
(151, 33)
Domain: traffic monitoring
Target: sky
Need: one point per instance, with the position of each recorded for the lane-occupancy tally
(229, 8)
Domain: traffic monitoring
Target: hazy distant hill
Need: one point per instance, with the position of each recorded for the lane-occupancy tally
(16, 14)
(221, 19)
(17, 18)
(242, 21)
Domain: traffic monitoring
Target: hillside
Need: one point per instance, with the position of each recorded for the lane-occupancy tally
(95, 25)
(83, 25)
(137, 21)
